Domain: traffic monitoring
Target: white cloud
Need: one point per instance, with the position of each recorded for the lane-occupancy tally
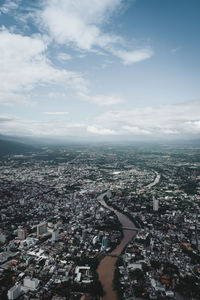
(100, 131)
(63, 56)
(10, 99)
(6, 118)
(24, 65)
(102, 100)
(130, 57)
(135, 130)
(79, 24)
(165, 120)
(57, 95)
(57, 113)
(172, 120)
(9, 5)
(11, 125)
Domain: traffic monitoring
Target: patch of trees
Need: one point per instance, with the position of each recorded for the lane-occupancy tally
(189, 287)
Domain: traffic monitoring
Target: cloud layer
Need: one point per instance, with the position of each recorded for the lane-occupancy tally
(25, 60)
(9, 5)
(40, 65)
(79, 24)
(165, 121)
(24, 65)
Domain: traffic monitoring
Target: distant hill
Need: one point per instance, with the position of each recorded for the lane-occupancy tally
(12, 147)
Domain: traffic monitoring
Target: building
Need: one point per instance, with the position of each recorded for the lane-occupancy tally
(14, 292)
(21, 233)
(105, 242)
(31, 283)
(134, 266)
(84, 234)
(155, 204)
(55, 235)
(95, 240)
(22, 202)
(82, 274)
(2, 238)
(41, 228)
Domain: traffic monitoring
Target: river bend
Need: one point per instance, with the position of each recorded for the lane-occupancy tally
(107, 266)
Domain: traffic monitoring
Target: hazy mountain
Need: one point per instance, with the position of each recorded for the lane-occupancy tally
(12, 147)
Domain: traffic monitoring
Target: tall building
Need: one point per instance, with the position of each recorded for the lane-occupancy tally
(41, 228)
(55, 235)
(105, 242)
(14, 292)
(21, 233)
(2, 237)
(95, 240)
(196, 233)
(84, 234)
(155, 204)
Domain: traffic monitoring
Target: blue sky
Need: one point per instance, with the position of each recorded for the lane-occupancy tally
(100, 69)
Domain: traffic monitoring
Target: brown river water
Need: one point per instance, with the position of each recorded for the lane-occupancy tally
(107, 266)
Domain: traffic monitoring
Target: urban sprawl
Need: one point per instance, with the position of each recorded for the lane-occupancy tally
(58, 222)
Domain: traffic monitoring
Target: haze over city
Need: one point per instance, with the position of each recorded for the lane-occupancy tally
(100, 69)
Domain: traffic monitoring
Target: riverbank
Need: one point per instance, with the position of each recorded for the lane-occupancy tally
(107, 265)
(156, 181)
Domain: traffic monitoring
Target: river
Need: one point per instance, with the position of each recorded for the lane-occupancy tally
(156, 180)
(107, 266)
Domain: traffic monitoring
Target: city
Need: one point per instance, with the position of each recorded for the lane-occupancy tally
(59, 222)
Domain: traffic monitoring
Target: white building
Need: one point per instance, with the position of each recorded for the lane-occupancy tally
(82, 274)
(14, 292)
(155, 204)
(2, 237)
(31, 284)
(29, 242)
(55, 235)
(22, 201)
(21, 233)
(135, 266)
(95, 240)
(41, 228)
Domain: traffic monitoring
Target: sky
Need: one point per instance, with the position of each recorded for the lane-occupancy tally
(100, 69)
